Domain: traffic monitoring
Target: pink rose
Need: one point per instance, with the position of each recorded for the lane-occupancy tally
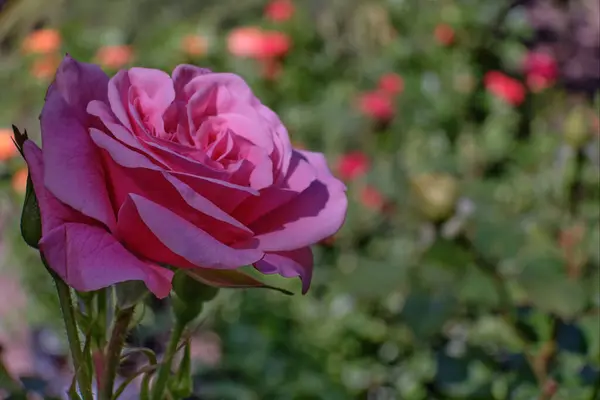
(189, 170)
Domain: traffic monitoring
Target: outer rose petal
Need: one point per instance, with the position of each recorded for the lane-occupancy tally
(181, 237)
(53, 212)
(73, 170)
(315, 214)
(289, 264)
(89, 258)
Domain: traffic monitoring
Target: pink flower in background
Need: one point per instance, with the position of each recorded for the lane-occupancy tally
(353, 165)
(391, 83)
(504, 87)
(280, 10)
(444, 34)
(254, 42)
(541, 70)
(377, 104)
(188, 170)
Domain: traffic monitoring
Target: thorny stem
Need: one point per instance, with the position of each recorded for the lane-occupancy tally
(113, 352)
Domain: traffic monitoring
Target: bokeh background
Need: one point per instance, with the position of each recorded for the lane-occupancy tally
(468, 134)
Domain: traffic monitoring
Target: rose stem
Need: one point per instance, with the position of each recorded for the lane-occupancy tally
(81, 370)
(113, 352)
(165, 367)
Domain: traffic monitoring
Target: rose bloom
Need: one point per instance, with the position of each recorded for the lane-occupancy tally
(190, 170)
(444, 34)
(504, 87)
(114, 57)
(353, 165)
(194, 45)
(42, 41)
(391, 83)
(7, 147)
(279, 10)
(254, 42)
(541, 70)
(376, 104)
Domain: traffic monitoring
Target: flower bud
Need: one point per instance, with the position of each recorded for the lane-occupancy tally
(576, 128)
(191, 295)
(436, 195)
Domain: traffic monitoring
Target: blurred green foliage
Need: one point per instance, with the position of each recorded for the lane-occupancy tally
(497, 297)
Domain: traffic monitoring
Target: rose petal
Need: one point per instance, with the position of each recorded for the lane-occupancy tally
(289, 264)
(89, 258)
(180, 237)
(227, 195)
(53, 212)
(315, 214)
(300, 175)
(73, 170)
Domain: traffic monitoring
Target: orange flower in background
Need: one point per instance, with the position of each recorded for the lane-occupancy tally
(391, 83)
(7, 147)
(371, 198)
(254, 42)
(541, 70)
(19, 181)
(444, 34)
(376, 104)
(280, 10)
(194, 45)
(42, 41)
(114, 57)
(45, 67)
(504, 87)
(353, 165)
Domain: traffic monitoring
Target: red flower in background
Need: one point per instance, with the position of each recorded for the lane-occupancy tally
(377, 104)
(253, 42)
(271, 68)
(280, 10)
(541, 70)
(371, 198)
(353, 165)
(391, 84)
(444, 34)
(506, 88)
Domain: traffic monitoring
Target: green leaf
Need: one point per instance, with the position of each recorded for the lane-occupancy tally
(545, 282)
(229, 279)
(426, 313)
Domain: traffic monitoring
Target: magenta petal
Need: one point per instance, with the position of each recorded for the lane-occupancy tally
(73, 170)
(183, 74)
(187, 240)
(289, 264)
(300, 175)
(315, 214)
(89, 258)
(53, 212)
(79, 83)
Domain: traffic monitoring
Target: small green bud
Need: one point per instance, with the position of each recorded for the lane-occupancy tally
(31, 220)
